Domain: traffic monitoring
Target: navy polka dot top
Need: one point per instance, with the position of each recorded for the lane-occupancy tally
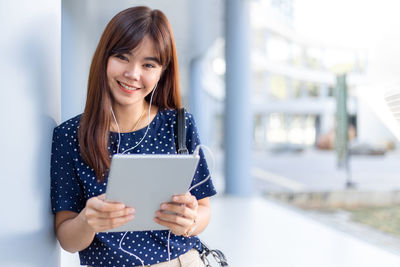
(73, 182)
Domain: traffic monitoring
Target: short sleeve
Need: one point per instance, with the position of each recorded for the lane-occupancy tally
(202, 172)
(66, 194)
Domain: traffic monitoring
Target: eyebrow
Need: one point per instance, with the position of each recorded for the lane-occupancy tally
(153, 59)
(148, 58)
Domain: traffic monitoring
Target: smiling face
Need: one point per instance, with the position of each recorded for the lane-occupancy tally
(131, 76)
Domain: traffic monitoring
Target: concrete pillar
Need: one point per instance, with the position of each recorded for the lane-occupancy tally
(238, 115)
(202, 35)
(30, 109)
(198, 100)
(74, 53)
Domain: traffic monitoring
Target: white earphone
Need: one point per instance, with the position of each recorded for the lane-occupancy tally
(196, 152)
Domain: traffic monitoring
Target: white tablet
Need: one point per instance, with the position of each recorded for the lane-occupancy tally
(146, 181)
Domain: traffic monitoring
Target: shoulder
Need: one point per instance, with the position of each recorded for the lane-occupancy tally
(68, 130)
(167, 113)
(189, 116)
(69, 125)
(170, 115)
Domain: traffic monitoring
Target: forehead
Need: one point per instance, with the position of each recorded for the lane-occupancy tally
(145, 48)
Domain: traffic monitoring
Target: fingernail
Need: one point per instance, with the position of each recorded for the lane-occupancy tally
(175, 198)
(164, 206)
(131, 210)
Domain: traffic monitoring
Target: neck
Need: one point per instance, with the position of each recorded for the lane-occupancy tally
(127, 116)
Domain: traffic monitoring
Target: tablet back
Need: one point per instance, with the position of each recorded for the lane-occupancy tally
(146, 181)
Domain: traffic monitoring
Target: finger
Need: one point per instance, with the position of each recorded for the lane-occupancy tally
(102, 196)
(186, 199)
(174, 218)
(182, 198)
(103, 206)
(183, 210)
(115, 214)
(106, 224)
(175, 229)
(116, 222)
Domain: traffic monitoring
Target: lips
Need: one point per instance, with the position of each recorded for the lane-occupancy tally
(127, 88)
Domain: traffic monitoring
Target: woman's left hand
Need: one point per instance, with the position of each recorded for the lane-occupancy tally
(180, 215)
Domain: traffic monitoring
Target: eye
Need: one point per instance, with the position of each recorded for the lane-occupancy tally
(150, 66)
(122, 57)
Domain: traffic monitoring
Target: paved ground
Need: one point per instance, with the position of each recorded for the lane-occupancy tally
(258, 232)
(315, 170)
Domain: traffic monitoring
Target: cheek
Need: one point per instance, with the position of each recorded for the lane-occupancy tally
(109, 72)
(153, 77)
(113, 68)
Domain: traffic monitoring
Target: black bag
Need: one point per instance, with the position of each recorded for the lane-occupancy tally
(219, 257)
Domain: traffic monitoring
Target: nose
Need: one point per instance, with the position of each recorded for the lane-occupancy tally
(132, 72)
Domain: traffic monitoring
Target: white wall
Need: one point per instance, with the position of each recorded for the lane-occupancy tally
(29, 108)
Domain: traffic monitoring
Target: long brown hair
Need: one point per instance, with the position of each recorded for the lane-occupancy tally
(123, 33)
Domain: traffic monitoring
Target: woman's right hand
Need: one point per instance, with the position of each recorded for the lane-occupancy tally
(102, 215)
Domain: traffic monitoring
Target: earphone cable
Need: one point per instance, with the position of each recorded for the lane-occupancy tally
(147, 129)
(196, 153)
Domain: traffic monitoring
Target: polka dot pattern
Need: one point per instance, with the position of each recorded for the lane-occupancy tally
(73, 182)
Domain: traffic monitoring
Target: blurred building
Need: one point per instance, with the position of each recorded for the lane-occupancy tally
(293, 78)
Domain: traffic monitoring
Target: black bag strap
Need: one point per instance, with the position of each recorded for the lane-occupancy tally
(219, 257)
(181, 131)
(182, 149)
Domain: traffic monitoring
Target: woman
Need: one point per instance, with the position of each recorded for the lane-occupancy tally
(133, 75)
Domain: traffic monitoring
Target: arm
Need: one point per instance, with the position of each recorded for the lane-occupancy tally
(72, 231)
(203, 217)
(188, 214)
(75, 231)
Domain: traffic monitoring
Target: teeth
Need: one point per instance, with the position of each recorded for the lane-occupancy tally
(127, 87)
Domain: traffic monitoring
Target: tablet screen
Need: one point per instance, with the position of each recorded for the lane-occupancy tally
(146, 181)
